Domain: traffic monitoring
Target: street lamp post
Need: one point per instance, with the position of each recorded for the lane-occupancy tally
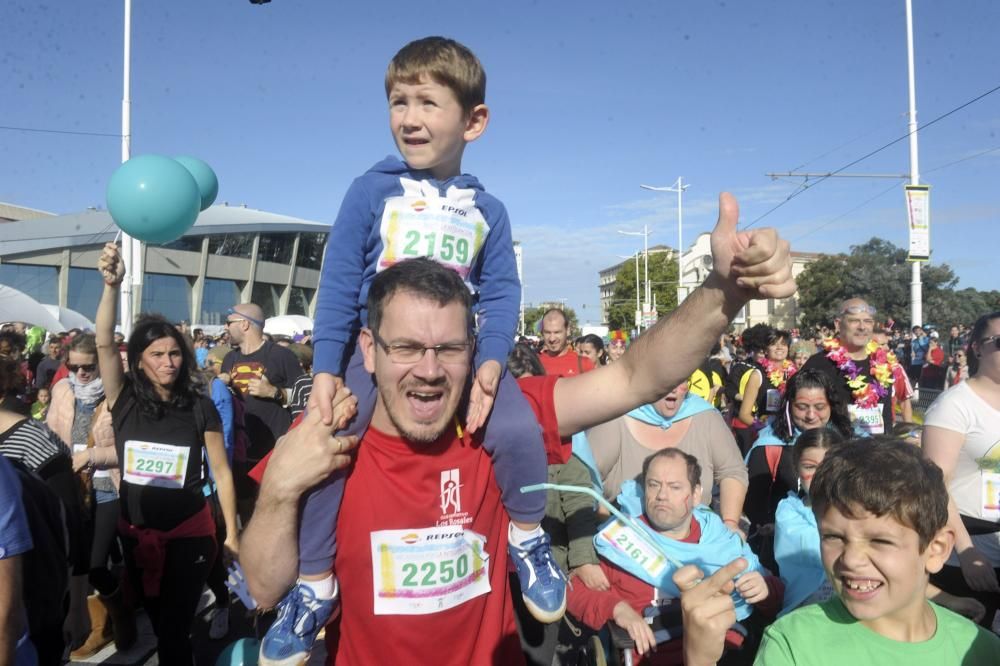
(638, 306)
(679, 188)
(647, 297)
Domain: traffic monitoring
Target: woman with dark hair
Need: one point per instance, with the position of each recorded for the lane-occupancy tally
(523, 362)
(960, 435)
(164, 425)
(810, 401)
(592, 347)
(744, 386)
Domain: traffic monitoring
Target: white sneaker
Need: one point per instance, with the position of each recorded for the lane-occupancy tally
(219, 624)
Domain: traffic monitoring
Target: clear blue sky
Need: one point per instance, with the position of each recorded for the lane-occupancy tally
(588, 100)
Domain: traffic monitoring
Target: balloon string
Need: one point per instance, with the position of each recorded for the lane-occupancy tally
(636, 525)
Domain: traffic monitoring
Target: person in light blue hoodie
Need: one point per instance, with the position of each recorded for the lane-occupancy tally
(810, 401)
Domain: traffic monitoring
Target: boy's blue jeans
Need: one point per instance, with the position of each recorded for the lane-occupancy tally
(512, 437)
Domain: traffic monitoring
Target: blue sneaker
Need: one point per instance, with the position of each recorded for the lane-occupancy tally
(290, 639)
(543, 584)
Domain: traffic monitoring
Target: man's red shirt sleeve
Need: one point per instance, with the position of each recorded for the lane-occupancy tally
(540, 393)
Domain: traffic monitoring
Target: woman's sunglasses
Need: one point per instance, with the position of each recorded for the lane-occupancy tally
(995, 339)
(89, 367)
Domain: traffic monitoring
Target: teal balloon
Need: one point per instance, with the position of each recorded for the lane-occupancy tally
(153, 198)
(243, 652)
(208, 183)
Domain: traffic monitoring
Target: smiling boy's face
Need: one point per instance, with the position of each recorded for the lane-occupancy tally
(877, 568)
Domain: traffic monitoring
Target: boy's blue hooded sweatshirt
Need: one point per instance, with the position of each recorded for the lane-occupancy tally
(392, 213)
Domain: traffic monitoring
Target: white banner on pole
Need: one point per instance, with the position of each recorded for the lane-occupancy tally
(918, 209)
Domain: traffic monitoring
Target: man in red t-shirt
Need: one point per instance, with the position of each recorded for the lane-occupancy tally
(422, 558)
(558, 357)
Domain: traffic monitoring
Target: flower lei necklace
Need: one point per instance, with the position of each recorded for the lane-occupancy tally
(866, 394)
(778, 373)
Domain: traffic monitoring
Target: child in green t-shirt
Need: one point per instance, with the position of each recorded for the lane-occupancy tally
(882, 512)
(40, 408)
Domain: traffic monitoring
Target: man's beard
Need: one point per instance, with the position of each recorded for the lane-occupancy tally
(405, 431)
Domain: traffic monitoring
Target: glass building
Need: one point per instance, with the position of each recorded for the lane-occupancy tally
(233, 254)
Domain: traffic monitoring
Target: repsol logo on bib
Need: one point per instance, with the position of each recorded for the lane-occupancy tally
(412, 537)
(457, 211)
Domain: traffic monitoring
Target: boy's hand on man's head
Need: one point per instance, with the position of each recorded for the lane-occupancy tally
(751, 263)
(484, 392)
(324, 389)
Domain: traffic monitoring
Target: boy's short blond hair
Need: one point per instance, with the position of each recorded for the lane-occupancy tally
(884, 476)
(446, 62)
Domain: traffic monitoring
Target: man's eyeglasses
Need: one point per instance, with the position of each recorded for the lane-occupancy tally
(88, 367)
(409, 352)
(859, 309)
(994, 339)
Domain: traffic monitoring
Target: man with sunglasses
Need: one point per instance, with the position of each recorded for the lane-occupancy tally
(422, 531)
(855, 324)
(261, 374)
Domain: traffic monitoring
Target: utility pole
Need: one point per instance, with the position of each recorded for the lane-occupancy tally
(916, 288)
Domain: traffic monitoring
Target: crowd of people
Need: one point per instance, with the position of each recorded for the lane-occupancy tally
(419, 487)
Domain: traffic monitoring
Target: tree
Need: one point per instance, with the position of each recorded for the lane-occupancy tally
(821, 289)
(533, 319)
(663, 281)
(879, 272)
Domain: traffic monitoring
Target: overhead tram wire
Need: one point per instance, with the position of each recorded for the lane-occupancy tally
(874, 152)
(846, 143)
(964, 159)
(53, 131)
(893, 187)
(845, 214)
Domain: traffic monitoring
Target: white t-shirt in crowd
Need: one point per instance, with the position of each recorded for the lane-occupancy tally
(975, 484)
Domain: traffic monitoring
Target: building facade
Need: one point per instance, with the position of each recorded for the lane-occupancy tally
(232, 254)
(696, 264)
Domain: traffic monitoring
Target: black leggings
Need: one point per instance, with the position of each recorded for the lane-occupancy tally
(217, 574)
(951, 580)
(185, 570)
(105, 530)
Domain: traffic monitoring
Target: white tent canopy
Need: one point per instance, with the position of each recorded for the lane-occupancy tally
(18, 306)
(70, 318)
(290, 325)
